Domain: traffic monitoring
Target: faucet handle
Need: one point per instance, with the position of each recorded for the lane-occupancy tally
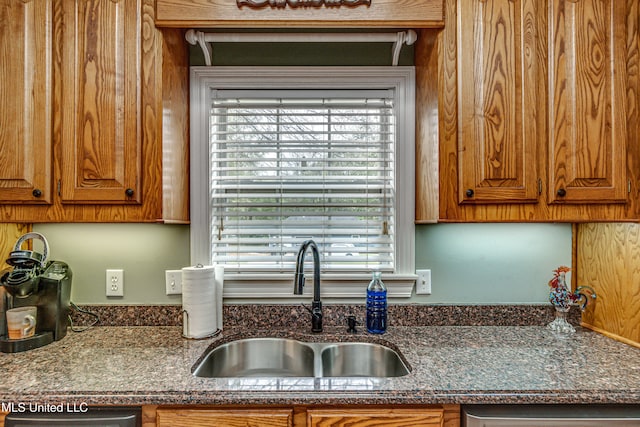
(352, 322)
(316, 316)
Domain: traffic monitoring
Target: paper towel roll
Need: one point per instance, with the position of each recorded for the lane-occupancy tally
(219, 276)
(200, 318)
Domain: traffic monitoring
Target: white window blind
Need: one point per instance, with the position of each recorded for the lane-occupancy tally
(291, 165)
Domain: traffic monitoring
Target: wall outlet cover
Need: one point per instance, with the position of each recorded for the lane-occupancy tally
(114, 283)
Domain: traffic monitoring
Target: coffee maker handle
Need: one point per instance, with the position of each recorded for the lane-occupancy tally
(34, 235)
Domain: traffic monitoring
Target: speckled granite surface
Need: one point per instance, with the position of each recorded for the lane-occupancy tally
(450, 364)
(283, 315)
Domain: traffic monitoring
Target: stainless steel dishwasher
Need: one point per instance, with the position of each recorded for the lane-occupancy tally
(551, 416)
(94, 417)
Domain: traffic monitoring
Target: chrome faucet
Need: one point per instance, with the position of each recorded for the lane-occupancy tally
(298, 283)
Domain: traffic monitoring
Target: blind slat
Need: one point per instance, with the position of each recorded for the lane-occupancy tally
(288, 169)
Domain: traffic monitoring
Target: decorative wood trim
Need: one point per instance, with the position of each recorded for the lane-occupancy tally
(227, 14)
(257, 4)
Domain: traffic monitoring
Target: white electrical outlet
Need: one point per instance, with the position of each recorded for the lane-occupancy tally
(173, 281)
(423, 284)
(115, 283)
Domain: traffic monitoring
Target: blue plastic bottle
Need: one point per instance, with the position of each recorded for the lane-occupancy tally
(376, 305)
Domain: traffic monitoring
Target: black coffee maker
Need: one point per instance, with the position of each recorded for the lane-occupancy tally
(35, 281)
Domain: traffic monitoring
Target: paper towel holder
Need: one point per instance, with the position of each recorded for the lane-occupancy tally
(185, 320)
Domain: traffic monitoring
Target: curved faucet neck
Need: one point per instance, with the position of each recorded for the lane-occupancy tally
(298, 283)
(299, 277)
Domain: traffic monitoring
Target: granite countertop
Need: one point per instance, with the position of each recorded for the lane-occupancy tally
(450, 364)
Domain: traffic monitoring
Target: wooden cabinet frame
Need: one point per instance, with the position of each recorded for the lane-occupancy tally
(26, 112)
(598, 174)
(100, 128)
(302, 415)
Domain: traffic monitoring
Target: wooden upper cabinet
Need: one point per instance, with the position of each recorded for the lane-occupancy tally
(538, 111)
(26, 85)
(92, 117)
(498, 77)
(101, 122)
(588, 100)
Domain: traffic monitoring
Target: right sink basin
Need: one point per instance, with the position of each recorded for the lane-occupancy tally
(283, 357)
(360, 359)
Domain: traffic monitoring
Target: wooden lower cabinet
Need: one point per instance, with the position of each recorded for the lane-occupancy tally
(225, 417)
(374, 417)
(303, 416)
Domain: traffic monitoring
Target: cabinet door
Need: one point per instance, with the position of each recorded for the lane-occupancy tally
(587, 101)
(26, 35)
(498, 84)
(101, 101)
(224, 417)
(372, 417)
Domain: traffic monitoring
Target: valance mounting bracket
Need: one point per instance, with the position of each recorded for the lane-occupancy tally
(398, 39)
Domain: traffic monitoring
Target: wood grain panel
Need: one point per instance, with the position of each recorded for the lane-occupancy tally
(426, 63)
(608, 259)
(9, 235)
(596, 208)
(175, 127)
(146, 116)
(149, 415)
(633, 103)
(451, 415)
(26, 90)
(498, 79)
(225, 14)
(224, 417)
(393, 417)
(587, 108)
(102, 76)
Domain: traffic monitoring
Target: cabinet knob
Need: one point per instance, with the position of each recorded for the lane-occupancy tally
(36, 192)
(561, 192)
(469, 193)
(129, 192)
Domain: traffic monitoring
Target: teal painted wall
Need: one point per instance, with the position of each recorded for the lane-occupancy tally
(491, 263)
(470, 263)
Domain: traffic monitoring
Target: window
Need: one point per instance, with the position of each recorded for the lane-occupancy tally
(285, 154)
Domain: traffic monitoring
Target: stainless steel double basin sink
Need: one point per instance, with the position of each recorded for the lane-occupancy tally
(284, 357)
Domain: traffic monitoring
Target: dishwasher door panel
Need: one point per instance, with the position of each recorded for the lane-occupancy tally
(551, 416)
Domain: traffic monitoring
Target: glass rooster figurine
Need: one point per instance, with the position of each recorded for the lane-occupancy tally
(563, 298)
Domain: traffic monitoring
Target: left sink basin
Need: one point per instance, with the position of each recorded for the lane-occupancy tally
(258, 357)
